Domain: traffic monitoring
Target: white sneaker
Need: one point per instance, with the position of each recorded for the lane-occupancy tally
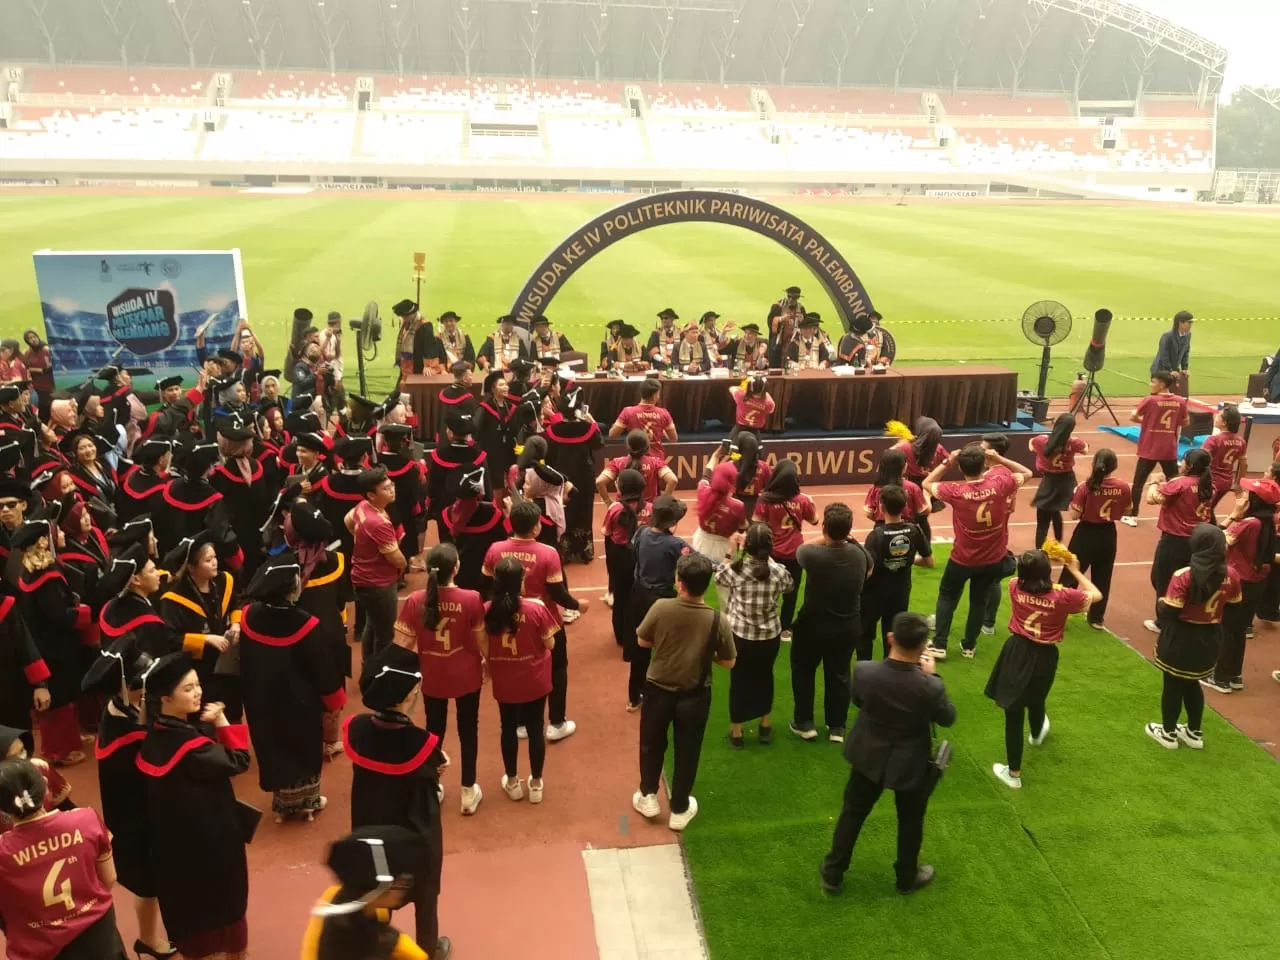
(439, 793)
(569, 615)
(645, 804)
(931, 621)
(1129, 521)
(561, 731)
(988, 631)
(1189, 738)
(535, 793)
(937, 653)
(1044, 732)
(678, 821)
(1157, 733)
(1004, 776)
(444, 760)
(512, 787)
(1275, 675)
(786, 636)
(522, 733)
(968, 652)
(608, 600)
(1151, 625)
(471, 797)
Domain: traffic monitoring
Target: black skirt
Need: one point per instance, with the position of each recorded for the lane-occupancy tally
(1055, 491)
(751, 679)
(1189, 650)
(1023, 667)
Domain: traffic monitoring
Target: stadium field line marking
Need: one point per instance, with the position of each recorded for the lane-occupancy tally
(641, 903)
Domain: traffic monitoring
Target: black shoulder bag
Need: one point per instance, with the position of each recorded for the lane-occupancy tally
(938, 762)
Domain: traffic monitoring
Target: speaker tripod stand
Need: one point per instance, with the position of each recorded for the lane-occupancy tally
(1092, 399)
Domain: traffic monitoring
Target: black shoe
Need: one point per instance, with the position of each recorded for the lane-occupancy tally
(442, 950)
(924, 877)
(736, 742)
(766, 734)
(828, 886)
(142, 950)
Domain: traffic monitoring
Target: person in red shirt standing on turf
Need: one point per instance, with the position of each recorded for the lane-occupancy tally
(1161, 416)
(1184, 503)
(1097, 503)
(1251, 553)
(654, 469)
(57, 877)
(720, 513)
(647, 416)
(1191, 612)
(981, 524)
(376, 561)
(1028, 662)
(444, 625)
(752, 406)
(543, 579)
(1226, 452)
(523, 633)
(1056, 454)
(785, 509)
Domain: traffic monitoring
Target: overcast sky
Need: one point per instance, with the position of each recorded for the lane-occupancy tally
(1249, 29)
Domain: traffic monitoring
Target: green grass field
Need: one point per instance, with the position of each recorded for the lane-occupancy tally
(1113, 850)
(948, 278)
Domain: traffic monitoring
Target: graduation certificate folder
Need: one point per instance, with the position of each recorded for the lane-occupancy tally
(247, 818)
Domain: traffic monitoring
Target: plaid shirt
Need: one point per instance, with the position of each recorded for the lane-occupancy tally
(750, 604)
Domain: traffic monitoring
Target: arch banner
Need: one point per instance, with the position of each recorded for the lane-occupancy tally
(832, 271)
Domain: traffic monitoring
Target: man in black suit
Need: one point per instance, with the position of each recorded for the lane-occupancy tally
(890, 748)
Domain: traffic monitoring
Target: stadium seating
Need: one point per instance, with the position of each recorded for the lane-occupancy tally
(165, 134)
(1001, 105)
(282, 135)
(811, 100)
(155, 83)
(594, 140)
(713, 143)
(293, 87)
(697, 98)
(1174, 108)
(412, 137)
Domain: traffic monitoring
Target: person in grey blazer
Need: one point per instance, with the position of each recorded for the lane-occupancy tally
(1174, 352)
(890, 749)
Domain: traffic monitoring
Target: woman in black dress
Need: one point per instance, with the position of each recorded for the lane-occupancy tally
(475, 524)
(191, 504)
(1056, 455)
(572, 442)
(493, 429)
(117, 674)
(93, 476)
(196, 829)
(239, 478)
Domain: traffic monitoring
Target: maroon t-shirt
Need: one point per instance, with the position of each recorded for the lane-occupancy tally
(653, 420)
(613, 526)
(1182, 509)
(915, 501)
(1162, 415)
(785, 521)
(449, 656)
(719, 516)
(981, 519)
(753, 412)
(1042, 617)
(650, 468)
(1210, 611)
(369, 564)
(1225, 450)
(541, 566)
(1107, 505)
(519, 662)
(1242, 550)
(1064, 461)
(915, 470)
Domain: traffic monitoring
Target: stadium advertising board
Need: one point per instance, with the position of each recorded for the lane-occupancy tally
(139, 309)
(826, 263)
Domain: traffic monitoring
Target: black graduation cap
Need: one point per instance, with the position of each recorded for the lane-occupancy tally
(121, 663)
(285, 499)
(9, 734)
(449, 315)
(521, 368)
(405, 308)
(369, 860)
(276, 578)
(309, 523)
(614, 323)
(491, 379)
(28, 533)
(471, 483)
(750, 328)
(570, 401)
(709, 315)
(506, 318)
(668, 314)
(792, 291)
(627, 331)
(552, 362)
(312, 441)
(356, 400)
(303, 314)
(167, 382)
(389, 404)
(108, 373)
(233, 429)
(123, 567)
(181, 555)
(301, 403)
(371, 478)
(149, 452)
(541, 321)
(40, 476)
(399, 432)
(265, 406)
(811, 320)
(231, 356)
(10, 392)
(260, 375)
(302, 421)
(458, 423)
(199, 460)
(13, 487)
(69, 443)
(164, 675)
(82, 393)
(135, 532)
(351, 449)
(10, 455)
(389, 678)
(861, 324)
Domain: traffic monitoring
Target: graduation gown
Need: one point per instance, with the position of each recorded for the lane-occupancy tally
(407, 513)
(45, 600)
(195, 843)
(325, 596)
(448, 462)
(498, 354)
(189, 507)
(336, 495)
(289, 680)
(194, 615)
(394, 776)
(247, 505)
(130, 613)
(124, 796)
(571, 449)
(482, 529)
(141, 491)
(102, 485)
(85, 560)
(22, 669)
(495, 434)
(449, 350)
(454, 398)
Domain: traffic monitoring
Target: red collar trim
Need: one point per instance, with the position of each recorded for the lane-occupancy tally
(461, 398)
(328, 491)
(65, 555)
(504, 417)
(255, 473)
(448, 465)
(551, 432)
(88, 486)
(102, 752)
(124, 628)
(493, 522)
(151, 770)
(377, 766)
(189, 507)
(124, 485)
(401, 471)
(32, 586)
(6, 605)
(252, 634)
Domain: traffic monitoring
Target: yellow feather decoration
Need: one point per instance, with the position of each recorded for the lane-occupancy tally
(1055, 550)
(896, 428)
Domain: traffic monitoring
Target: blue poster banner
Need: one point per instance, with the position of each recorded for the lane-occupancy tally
(139, 309)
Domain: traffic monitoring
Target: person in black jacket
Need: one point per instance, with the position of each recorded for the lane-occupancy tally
(899, 698)
(1173, 355)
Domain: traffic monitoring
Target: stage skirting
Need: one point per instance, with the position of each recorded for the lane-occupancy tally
(955, 396)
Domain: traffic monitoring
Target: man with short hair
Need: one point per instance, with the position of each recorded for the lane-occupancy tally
(543, 580)
(647, 416)
(890, 749)
(453, 346)
(376, 561)
(686, 636)
(502, 348)
(826, 628)
(895, 546)
(456, 396)
(981, 526)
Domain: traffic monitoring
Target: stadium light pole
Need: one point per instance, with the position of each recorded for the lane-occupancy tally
(785, 37)
(595, 35)
(463, 31)
(958, 52)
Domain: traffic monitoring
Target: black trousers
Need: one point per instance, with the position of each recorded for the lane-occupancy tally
(1237, 618)
(879, 606)
(559, 679)
(1172, 554)
(380, 608)
(954, 578)
(468, 709)
(1140, 474)
(1180, 692)
(529, 716)
(789, 599)
(99, 941)
(1032, 707)
(685, 714)
(620, 563)
(1094, 545)
(860, 796)
(830, 643)
(632, 652)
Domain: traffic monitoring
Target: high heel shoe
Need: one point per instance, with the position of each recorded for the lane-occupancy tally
(142, 950)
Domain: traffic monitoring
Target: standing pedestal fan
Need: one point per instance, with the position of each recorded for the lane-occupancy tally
(1046, 324)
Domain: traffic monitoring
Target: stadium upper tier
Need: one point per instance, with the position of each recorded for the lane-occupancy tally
(106, 113)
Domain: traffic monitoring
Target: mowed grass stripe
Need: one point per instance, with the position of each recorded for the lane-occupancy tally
(1114, 848)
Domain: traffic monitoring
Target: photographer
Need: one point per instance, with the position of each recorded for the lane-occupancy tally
(1173, 355)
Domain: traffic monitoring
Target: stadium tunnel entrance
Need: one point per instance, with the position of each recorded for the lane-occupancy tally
(828, 266)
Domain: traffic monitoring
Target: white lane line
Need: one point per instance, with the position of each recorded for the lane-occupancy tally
(642, 901)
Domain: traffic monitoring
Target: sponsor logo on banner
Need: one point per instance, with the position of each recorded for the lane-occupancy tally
(955, 194)
(19, 182)
(345, 187)
(143, 320)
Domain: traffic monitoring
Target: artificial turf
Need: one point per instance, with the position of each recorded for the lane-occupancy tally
(1114, 848)
(949, 278)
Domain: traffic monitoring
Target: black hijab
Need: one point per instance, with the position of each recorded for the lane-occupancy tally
(783, 485)
(928, 436)
(1208, 562)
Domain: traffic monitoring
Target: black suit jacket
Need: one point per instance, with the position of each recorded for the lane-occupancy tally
(891, 742)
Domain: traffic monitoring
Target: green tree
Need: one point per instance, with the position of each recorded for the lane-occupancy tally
(1249, 132)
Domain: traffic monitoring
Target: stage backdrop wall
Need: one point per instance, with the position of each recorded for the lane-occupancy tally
(137, 308)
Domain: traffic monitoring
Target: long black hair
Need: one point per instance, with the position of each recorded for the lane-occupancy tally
(531, 458)
(508, 578)
(631, 496)
(22, 788)
(1060, 435)
(442, 561)
(758, 546)
(928, 437)
(1197, 463)
(1104, 464)
(748, 459)
(1034, 572)
(637, 449)
(892, 469)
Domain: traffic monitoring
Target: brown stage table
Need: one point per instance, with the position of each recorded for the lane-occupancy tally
(954, 396)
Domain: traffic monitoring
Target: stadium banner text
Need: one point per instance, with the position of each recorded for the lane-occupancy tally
(137, 309)
(828, 266)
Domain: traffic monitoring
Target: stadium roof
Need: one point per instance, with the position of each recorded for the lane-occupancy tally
(1090, 49)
